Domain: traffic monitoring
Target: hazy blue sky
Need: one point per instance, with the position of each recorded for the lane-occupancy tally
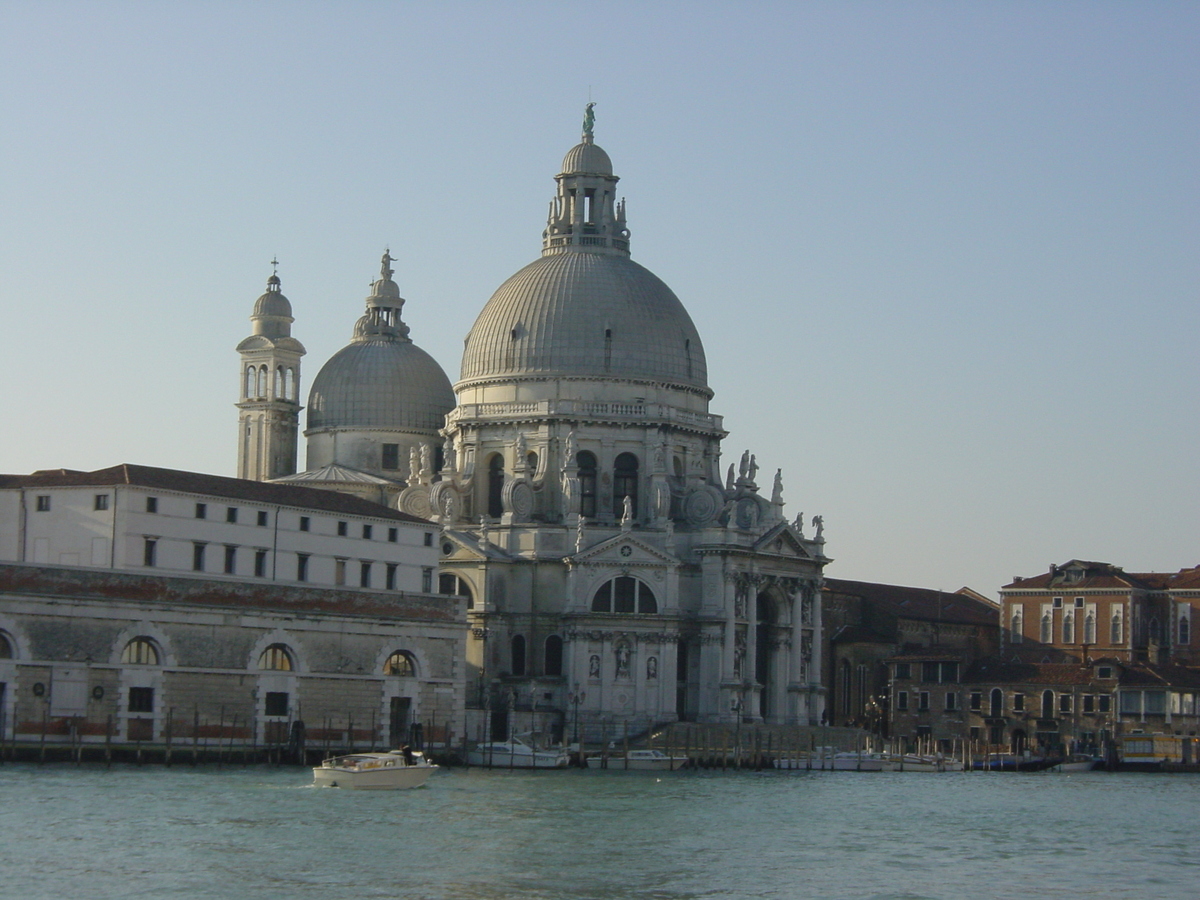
(943, 256)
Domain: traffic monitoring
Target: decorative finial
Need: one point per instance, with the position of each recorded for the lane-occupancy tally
(274, 266)
(385, 268)
(589, 121)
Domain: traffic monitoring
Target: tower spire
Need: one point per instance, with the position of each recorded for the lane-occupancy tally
(585, 214)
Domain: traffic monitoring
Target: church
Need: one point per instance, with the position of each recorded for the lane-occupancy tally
(615, 571)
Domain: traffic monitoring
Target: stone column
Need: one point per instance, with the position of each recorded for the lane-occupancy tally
(796, 705)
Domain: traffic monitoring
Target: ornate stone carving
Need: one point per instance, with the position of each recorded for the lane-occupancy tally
(414, 500)
(518, 498)
(701, 505)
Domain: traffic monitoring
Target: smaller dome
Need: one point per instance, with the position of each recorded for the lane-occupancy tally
(374, 383)
(586, 158)
(272, 303)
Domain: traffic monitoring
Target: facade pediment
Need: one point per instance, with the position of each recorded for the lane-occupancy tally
(624, 550)
(782, 540)
(462, 546)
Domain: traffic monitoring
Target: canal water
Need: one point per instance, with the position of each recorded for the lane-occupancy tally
(244, 833)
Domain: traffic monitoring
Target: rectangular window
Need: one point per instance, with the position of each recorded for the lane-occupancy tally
(1156, 702)
(427, 579)
(1057, 602)
(1104, 703)
(929, 672)
(260, 563)
(231, 514)
(1018, 703)
(902, 700)
(230, 560)
(923, 700)
(1079, 603)
(101, 502)
(951, 701)
(949, 672)
(974, 734)
(1064, 703)
(1089, 703)
(343, 529)
(151, 504)
(201, 510)
(364, 575)
(390, 457)
(149, 552)
(393, 535)
(1104, 672)
(141, 699)
(262, 518)
(305, 523)
(390, 578)
(1131, 701)
(302, 567)
(429, 539)
(339, 571)
(903, 671)
(198, 556)
(43, 503)
(976, 700)
(276, 703)
(367, 532)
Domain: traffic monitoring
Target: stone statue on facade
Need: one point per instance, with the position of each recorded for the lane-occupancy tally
(627, 511)
(448, 455)
(426, 458)
(579, 534)
(589, 119)
(799, 524)
(729, 479)
(819, 524)
(414, 465)
(777, 488)
(739, 654)
(569, 449)
(652, 668)
(483, 532)
(752, 469)
(594, 666)
(744, 464)
(623, 657)
(520, 448)
(385, 268)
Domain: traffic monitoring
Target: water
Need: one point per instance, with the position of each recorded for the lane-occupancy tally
(262, 832)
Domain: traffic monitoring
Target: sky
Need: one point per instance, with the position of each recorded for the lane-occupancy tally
(943, 256)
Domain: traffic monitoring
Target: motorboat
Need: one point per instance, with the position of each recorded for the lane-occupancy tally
(517, 753)
(388, 771)
(846, 761)
(1078, 762)
(638, 761)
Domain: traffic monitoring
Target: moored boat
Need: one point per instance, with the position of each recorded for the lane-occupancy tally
(393, 770)
(638, 761)
(516, 753)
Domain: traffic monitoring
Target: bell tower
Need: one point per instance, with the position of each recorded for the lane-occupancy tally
(269, 404)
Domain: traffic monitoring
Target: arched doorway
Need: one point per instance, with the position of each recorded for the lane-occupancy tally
(767, 614)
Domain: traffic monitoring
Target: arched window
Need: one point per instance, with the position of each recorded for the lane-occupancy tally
(554, 655)
(1016, 628)
(450, 585)
(140, 652)
(587, 483)
(1115, 634)
(1046, 635)
(1089, 629)
(997, 703)
(6, 646)
(251, 373)
(276, 657)
(261, 385)
(531, 464)
(400, 663)
(495, 504)
(1047, 704)
(625, 484)
(1185, 632)
(518, 654)
(289, 384)
(279, 388)
(1068, 628)
(625, 594)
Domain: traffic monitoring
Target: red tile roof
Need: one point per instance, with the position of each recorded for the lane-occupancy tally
(921, 604)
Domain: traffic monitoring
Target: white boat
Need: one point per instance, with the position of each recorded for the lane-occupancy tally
(374, 771)
(1080, 762)
(516, 753)
(918, 762)
(638, 761)
(848, 761)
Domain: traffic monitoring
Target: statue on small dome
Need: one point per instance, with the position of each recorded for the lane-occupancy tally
(589, 120)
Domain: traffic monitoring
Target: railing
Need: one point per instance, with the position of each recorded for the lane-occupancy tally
(585, 409)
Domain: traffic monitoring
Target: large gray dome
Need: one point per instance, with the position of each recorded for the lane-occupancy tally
(380, 383)
(585, 314)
